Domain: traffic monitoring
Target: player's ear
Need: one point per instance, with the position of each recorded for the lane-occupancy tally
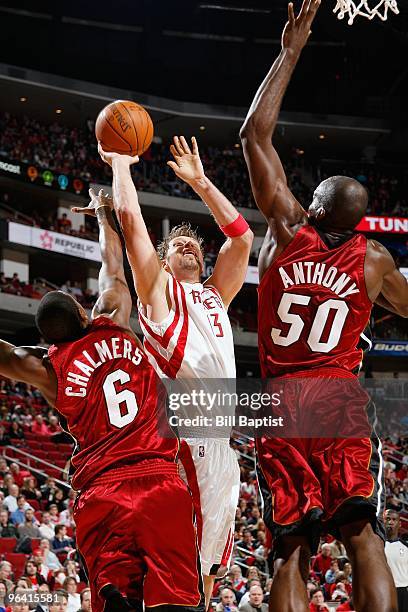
(165, 265)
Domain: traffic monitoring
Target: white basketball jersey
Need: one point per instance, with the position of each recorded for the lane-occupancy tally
(195, 340)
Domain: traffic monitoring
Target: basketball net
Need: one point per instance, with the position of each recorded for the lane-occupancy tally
(360, 8)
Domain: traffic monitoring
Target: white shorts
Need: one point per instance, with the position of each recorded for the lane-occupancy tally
(212, 472)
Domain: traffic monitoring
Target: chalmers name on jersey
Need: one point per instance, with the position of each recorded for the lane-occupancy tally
(195, 340)
(111, 398)
(313, 306)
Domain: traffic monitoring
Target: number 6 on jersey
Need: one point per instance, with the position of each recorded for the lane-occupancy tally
(114, 399)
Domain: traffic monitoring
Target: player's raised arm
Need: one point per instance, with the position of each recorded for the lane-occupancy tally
(232, 261)
(268, 180)
(148, 275)
(114, 297)
(391, 290)
(28, 364)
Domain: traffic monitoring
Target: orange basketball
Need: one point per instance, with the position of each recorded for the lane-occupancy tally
(124, 127)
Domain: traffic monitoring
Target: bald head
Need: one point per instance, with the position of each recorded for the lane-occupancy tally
(339, 203)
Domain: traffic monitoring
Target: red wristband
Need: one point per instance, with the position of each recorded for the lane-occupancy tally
(236, 228)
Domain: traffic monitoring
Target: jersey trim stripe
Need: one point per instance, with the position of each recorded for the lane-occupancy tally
(165, 339)
(171, 365)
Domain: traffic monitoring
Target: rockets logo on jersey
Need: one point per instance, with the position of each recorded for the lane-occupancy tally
(112, 400)
(314, 306)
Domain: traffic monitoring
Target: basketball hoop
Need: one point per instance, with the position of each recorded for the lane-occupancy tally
(355, 8)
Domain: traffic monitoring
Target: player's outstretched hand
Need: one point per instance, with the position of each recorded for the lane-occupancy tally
(297, 30)
(102, 199)
(187, 163)
(108, 158)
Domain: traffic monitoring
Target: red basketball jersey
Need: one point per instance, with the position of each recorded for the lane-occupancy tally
(112, 401)
(313, 306)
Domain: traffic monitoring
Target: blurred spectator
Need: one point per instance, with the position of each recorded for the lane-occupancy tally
(29, 489)
(10, 501)
(64, 224)
(74, 600)
(4, 438)
(322, 561)
(330, 576)
(61, 542)
(16, 432)
(47, 527)
(317, 602)
(39, 427)
(28, 529)
(255, 600)
(19, 515)
(7, 529)
(50, 558)
(85, 601)
(227, 601)
(60, 605)
(32, 572)
(6, 572)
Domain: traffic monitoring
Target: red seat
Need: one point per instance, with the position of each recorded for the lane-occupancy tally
(35, 543)
(35, 445)
(53, 472)
(70, 532)
(55, 456)
(65, 448)
(34, 503)
(7, 545)
(81, 586)
(48, 446)
(38, 515)
(18, 561)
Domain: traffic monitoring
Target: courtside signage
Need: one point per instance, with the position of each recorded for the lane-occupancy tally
(394, 348)
(393, 225)
(53, 241)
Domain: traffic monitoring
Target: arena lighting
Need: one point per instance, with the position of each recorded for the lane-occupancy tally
(322, 136)
(58, 111)
(202, 128)
(23, 99)
(234, 9)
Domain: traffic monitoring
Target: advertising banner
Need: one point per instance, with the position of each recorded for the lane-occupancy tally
(53, 241)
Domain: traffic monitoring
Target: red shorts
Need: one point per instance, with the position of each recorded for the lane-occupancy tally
(320, 482)
(136, 531)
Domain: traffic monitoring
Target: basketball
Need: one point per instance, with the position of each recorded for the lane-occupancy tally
(124, 127)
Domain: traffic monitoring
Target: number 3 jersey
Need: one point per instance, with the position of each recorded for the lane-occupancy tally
(112, 401)
(195, 340)
(313, 306)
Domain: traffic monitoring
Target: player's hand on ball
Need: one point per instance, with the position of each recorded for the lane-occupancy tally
(297, 30)
(102, 199)
(187, 163)
(109, 158)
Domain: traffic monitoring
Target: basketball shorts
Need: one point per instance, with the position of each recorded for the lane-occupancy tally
(311, 485)
(136, 530)
(211, 470)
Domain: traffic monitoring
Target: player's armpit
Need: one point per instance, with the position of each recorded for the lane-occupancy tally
(390, 287)
(115, 303)
(28, 364)
(395, 292)
(231, 266)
